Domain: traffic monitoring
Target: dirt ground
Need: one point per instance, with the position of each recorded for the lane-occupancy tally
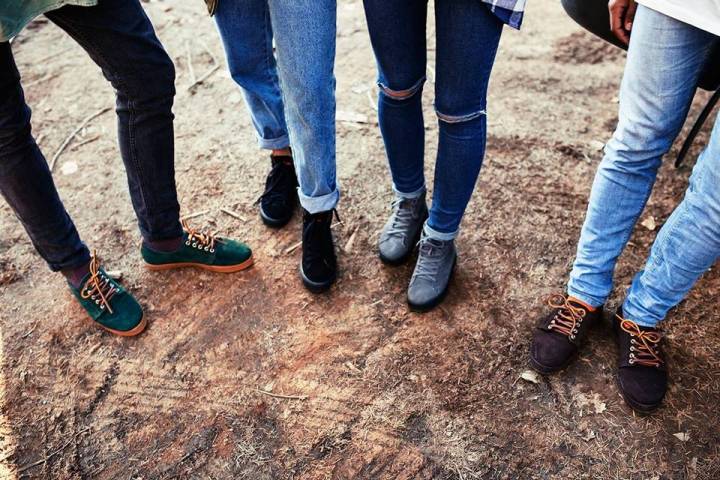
(376, 392)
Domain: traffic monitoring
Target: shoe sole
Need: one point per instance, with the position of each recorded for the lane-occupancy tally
(641, 408)
(316, 287)
(275, 222)
(540, 368)
(426, 307)
(128, 333)
(210, 268)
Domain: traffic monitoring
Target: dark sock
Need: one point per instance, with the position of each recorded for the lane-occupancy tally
(168, 245)
(75, 275)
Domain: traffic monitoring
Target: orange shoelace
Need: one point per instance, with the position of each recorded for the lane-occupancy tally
(643, 344)
(98, 287)
(569, 316)
(198, 239)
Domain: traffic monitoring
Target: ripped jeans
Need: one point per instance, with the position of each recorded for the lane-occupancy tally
(467, 37)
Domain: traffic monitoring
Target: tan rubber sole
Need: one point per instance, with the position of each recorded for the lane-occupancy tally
(211, 268)
(129, 333)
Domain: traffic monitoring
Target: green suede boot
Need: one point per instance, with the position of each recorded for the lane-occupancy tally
(201, 250)
(108, 303)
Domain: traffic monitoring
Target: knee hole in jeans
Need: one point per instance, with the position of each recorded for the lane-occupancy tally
(404, 94)
(443, 117)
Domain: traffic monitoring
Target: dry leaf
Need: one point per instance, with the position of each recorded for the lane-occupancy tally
(530, 376)
(682, 436)
(594, 401)
(589, 436)
(649, 223)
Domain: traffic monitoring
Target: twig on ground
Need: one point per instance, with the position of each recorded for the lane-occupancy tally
(283, 397)
(59, 450)
(193, 78)
(292, 248)
(84, 142)
(44, 78)
(51, 56)
(351, 241)
(233, 214)
(203, 78)
(74, 133)
(29, 332)
(209, 52)
(193, 215)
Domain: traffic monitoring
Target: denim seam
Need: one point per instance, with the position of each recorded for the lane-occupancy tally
(268, 54)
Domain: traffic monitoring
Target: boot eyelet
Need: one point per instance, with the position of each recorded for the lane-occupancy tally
(102, 307)
(631, 361)
(97, 302)
(187, 243)
(212, 250)
(206, 249)
(572, 337)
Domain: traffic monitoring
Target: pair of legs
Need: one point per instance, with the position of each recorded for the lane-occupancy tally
(291, 96)
(665, 59)
(467, 37)
(119, 37)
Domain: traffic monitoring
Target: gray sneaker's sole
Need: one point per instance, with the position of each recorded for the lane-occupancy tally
(427, 306)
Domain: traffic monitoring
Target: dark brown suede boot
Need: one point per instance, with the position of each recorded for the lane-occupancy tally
(642, 371)
(560, 334)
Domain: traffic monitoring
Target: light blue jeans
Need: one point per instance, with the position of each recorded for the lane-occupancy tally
(297, 88)
(664, 62)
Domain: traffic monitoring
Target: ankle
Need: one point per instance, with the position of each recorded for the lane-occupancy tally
(165, 246)
(75, 275)
(281, 152)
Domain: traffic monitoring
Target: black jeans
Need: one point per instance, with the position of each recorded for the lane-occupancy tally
(593, 16)
(120, 39)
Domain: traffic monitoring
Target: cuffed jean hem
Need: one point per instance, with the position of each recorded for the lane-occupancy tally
(79, 259)
(409, 196)
(592, 301)
(274, 143)
(323, 203)
(639, 315)
(441, 236)
(168, 234)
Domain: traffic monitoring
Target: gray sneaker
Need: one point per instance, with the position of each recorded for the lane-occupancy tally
(429, 282)
(402, 230)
